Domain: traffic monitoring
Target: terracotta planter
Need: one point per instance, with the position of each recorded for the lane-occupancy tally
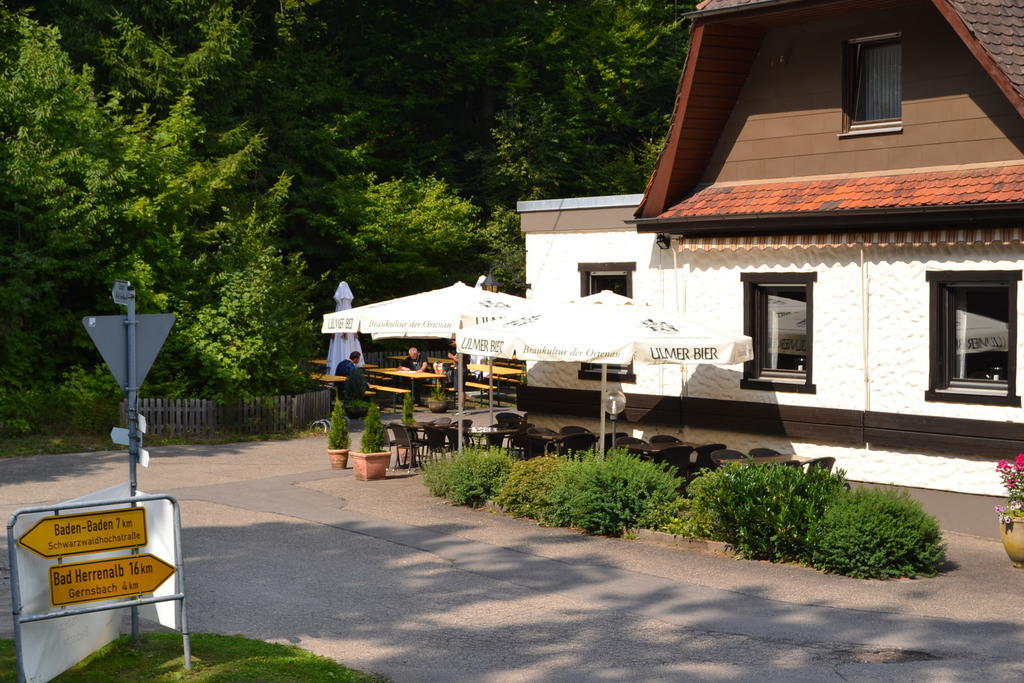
(1012, 536)
(370, 466)
(339, 458)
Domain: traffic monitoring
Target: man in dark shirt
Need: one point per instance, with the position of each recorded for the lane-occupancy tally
(415, 361)
(345, 367)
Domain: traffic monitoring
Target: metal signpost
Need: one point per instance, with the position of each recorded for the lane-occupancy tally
(129, 344)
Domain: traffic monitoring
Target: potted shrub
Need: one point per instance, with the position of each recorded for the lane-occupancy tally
(357, 408)
(371, 461)
(408, 410)
(337, 438)
(438, 400)
(1011, 515)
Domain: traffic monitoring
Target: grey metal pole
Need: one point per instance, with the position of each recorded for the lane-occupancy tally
(12, 562)
(490, 388)
(133, 423)
(462, 402)
(604, 392)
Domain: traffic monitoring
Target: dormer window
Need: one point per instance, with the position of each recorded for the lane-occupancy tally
(872, 85)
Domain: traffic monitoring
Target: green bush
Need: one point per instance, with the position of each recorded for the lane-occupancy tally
(373, 431)
(338, 437)
(609, 494)
(437, 476)
(408, 410)
(477, 475)
(529, 483)
(765, 511)
(878, 534)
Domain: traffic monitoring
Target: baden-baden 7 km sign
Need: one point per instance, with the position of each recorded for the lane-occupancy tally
(89, 532)
(118, 577)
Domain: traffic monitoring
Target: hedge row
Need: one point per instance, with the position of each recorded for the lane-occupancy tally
(766, 512)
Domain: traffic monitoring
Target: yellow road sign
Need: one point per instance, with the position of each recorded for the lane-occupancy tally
(118, 577)
(88, 532)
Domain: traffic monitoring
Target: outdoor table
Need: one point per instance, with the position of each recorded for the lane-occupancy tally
(411, 375)
(650, 448)
(480, 434)
(493, 369)
(329, 378)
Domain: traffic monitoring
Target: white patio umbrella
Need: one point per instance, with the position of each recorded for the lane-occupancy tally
(342, 343)
(436, 314)
(605, 328)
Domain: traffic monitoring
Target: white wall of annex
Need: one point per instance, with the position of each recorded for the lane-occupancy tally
(891, 288)
(552, 271)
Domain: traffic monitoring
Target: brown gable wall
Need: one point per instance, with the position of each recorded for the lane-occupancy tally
(788, 115)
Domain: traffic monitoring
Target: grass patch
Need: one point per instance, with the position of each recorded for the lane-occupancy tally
(214, 658)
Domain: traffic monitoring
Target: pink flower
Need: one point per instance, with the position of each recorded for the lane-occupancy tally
(1020, 459)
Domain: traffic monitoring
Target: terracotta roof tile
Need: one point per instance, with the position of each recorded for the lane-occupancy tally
(945, 188)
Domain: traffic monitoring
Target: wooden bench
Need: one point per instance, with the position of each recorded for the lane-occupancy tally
(394, 391)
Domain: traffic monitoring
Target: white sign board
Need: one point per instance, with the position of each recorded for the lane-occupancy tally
(52, 646)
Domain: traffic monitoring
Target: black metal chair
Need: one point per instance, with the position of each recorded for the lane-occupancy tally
(507, 419)
(627, 440)
(725, 455)
(703, 460)
(763, 453)
(826, 463)
(526, 446)
(436, 439)
(678, 457)
(403, 438)
(442, 421)
(573, 429)
(611, 438)
(576, 442)
(664, 438)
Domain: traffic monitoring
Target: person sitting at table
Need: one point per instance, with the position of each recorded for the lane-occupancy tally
(356, 386)
(453, 356)
(345, 366)
(415, 361)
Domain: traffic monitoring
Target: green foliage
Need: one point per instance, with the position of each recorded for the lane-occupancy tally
(373, 431)
(232, 159)
(90, 400)
(338, 437)
(877, 534)
(477, 475)
(670, 517)
(438, 392)
(408, 408)
(609, 494)
(528, 486)
(437, 476)
(765, 511)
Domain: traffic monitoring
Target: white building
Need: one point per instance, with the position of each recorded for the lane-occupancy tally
(849, 191)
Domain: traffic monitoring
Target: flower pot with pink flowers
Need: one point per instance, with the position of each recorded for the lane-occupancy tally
(1011, 515)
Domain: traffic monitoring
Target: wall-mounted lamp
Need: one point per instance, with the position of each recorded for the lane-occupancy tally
(663, 241)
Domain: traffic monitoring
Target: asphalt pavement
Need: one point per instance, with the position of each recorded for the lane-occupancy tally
(384, 578)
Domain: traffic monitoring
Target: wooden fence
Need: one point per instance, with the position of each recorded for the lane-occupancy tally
(169, 416)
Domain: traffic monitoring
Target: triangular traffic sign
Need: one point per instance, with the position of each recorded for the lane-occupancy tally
(108, 334)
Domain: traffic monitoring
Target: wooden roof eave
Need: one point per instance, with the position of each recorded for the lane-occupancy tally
(709, 45)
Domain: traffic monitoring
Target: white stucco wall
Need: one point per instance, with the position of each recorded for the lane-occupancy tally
(707, 286)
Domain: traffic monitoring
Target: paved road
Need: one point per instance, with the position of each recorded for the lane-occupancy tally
(385, 579)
